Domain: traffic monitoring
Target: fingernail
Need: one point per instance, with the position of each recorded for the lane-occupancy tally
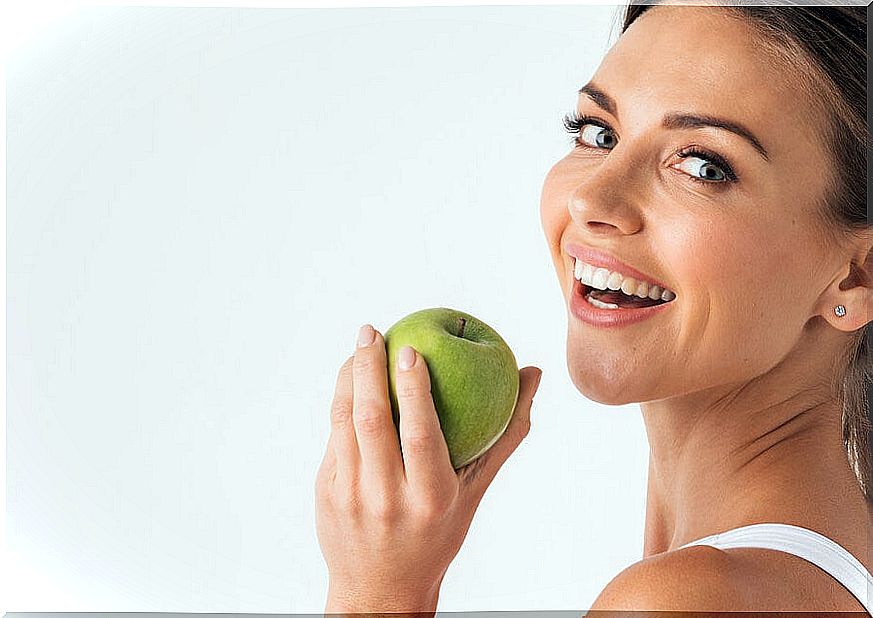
(407, 357)
(366, 336)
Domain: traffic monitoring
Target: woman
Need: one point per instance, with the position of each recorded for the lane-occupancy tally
(719, 171)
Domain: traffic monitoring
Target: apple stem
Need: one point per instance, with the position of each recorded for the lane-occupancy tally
(463, 324)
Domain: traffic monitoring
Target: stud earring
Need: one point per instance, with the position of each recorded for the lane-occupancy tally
(840, 310)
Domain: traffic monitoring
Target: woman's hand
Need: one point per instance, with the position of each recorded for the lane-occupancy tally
(389, 523)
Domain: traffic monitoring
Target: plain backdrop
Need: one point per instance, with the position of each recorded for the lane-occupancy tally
(203, 207)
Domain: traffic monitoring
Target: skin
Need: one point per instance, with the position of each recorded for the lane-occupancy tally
(733, 380)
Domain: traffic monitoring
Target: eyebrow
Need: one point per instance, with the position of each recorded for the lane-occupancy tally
(677, 120)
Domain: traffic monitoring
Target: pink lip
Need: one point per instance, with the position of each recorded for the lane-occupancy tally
(599, 258)
(588, 313)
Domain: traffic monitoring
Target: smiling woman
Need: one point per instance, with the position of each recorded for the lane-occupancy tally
(841, 206)
(737, 180)
(708, 230)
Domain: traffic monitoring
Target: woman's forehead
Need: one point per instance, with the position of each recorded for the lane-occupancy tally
(699, 59)
(697, 45)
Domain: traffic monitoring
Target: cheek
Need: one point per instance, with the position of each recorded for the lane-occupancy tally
(554, 216)
(743, 313)
(550, 196)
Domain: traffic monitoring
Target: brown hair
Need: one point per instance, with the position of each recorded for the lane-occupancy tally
(826, 46)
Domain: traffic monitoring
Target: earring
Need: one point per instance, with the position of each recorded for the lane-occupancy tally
(840, 310)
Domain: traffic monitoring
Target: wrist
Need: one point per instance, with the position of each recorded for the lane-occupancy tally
(348, 601)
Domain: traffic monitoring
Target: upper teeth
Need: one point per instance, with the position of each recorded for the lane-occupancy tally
(604, 279)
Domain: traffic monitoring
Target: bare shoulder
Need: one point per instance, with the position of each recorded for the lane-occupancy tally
(697, 578)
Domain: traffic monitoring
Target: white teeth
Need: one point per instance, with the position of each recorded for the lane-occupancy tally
(602, 305)
(642, 290)
(599, 279)
(603, 279)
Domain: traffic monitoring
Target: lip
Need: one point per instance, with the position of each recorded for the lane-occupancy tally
(588, 313)
(599, 258)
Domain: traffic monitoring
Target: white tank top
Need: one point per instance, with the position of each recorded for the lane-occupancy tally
(826, 554)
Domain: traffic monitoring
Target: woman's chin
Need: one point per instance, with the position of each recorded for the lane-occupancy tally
(611, 385)
(605, 394)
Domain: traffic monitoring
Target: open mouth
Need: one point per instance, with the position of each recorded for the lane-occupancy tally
(615, 299)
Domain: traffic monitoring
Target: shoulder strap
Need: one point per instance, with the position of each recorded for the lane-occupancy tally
(823, 552)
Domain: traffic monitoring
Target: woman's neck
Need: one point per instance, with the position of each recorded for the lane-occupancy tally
(762, 451)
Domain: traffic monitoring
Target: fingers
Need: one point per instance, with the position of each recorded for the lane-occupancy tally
(374, 427)
(363, 439)
(477, 476)
(342, 452)
(426, 459)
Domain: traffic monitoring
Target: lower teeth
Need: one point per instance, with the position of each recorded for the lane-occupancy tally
(602, 305)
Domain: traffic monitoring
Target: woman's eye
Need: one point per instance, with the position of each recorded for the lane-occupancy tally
(596, 136)
(588, 132)
(698, 164)
(705, 167)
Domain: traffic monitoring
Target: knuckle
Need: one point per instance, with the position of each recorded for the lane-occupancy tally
(340, 413)
(323, 497)
(325, 476)
(418, 442)
(411, 389)
(430, 511)
(433, 503)
(385, 507)
(364, 363)
(347, 501)
(370, 423)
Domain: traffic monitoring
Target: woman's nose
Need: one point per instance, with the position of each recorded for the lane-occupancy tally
(606, 200)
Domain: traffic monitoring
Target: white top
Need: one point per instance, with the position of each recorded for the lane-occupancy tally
(826, 554)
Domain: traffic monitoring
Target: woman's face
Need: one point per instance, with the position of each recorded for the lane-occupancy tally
(745, 258)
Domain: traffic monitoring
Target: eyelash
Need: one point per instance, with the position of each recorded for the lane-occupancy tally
(573, 123)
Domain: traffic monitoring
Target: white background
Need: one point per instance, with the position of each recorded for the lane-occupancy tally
(204, 204)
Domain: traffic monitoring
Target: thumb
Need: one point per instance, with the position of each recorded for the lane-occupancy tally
(478, 474)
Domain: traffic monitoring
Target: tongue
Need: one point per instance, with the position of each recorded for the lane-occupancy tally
(623, 300)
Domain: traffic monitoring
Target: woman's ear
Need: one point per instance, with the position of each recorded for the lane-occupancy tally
(852, 290)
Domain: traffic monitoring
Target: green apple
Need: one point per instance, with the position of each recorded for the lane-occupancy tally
(473, 374)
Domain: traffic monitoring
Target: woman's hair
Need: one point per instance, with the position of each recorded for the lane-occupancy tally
(826, 47)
